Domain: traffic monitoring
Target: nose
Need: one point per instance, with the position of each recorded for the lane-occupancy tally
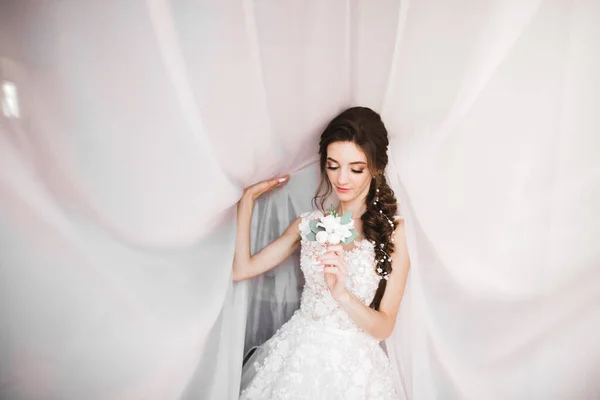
(343, 178)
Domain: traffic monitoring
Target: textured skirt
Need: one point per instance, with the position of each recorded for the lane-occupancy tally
(307, 359)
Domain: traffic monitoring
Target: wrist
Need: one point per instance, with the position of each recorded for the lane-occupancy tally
(343, 298)
(248, 197)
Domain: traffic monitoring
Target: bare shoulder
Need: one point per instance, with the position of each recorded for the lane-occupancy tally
(295, 224)
(399, 231)
(400, 236)
(293, 230)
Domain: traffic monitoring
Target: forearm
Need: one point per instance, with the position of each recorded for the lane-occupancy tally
(242, 256)
(376, 323)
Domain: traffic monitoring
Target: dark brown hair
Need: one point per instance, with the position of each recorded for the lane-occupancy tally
(363, 127)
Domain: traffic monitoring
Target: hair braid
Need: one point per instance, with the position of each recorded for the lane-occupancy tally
(379, 225)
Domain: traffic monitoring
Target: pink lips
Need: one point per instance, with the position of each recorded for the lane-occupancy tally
(342, 190)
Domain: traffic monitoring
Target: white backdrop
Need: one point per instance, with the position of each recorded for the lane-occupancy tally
(142, 121)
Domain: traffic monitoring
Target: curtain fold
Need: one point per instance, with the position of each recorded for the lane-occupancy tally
(495, 131)
(140, 123)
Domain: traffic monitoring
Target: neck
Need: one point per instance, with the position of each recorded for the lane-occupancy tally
(357, 206)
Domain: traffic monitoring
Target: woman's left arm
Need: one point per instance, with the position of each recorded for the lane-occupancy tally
(378, 324)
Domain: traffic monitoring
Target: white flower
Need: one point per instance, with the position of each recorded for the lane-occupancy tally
(330, 229)
(342, 231)
(322, 237)
(334, 238)
(350, 225)
(329, 223)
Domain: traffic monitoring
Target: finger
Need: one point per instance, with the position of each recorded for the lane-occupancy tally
(331, 255)
(332, 259)
(269, 185)
(343, 269)
(265, 186)
(277, 182)
(339, 264)
(282, 180)
(273, 183)
(335, 253)
(335, 248)
(332, 270)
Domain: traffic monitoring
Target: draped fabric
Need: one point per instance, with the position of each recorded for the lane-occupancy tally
(140, 123)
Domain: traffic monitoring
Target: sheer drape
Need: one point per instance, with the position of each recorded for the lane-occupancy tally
(496, 132)
(142, 121)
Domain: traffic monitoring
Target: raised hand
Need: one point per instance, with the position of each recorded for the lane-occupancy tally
(335, 270)
(262, 187)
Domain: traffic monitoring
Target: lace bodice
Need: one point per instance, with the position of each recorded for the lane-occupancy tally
(320, 353)
(317, 302)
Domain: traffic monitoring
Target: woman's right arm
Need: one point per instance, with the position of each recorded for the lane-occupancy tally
(246, 266)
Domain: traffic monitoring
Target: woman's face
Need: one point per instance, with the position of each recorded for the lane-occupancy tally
(348, 171)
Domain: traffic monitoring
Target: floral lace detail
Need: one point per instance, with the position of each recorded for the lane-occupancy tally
(317, 302)
(321, 353)
(305, 361)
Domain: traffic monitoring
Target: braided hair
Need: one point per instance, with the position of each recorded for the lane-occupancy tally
(364, 127)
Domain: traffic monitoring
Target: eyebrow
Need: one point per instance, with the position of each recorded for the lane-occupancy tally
(352, 163)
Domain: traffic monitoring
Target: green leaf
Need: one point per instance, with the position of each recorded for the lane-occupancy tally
(332, 211)
(313, 226)
(312, 237)
(350, 239)
(346, 218)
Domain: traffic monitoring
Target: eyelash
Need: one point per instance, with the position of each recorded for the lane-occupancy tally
(355, 171)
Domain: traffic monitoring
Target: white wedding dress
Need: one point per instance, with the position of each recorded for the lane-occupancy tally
(320, 353)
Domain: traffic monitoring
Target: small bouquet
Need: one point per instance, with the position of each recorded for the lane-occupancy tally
(333, 229)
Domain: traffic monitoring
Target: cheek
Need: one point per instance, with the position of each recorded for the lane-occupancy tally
(331, 175)
(362, 180)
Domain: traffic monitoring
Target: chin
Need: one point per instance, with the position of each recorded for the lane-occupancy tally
(345, 196)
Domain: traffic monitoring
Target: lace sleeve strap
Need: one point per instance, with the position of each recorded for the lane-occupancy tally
(304, 226)
(305, 219)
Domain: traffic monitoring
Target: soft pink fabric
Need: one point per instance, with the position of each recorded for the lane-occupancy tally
(142, 121)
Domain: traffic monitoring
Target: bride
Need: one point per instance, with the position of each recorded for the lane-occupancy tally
(330, 349)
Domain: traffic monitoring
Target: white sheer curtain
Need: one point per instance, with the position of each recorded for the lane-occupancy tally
(142, 121)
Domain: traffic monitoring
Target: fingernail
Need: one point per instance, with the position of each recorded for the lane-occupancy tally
(282, 179)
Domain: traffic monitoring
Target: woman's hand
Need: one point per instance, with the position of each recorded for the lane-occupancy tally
(335, 271)
(260, 188)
